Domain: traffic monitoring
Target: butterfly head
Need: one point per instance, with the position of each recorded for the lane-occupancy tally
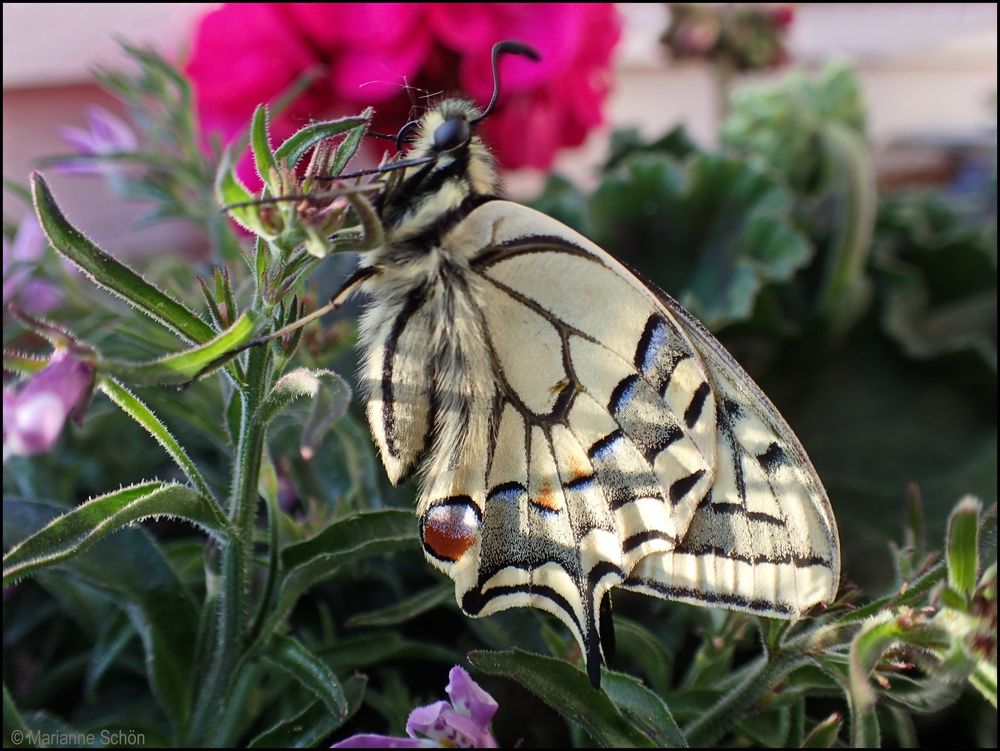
(448, 164)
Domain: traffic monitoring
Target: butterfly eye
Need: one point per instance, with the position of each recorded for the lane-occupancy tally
(451, 134)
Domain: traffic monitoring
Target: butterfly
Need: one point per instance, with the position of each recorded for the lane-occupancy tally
(573, 428)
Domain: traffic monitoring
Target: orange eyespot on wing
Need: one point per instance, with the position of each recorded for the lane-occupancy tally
(449, 528)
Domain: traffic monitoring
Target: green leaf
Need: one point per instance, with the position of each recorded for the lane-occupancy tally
(644, 708)
(13, 723)
(312, 724)
(406, 610)
(984, 680)
(131, 569)
(349, 147)
(627, 142)
(383, 647)
(963, 546)
(779, 122)
(116, 634)
(295, 147)
(300, 663)
(825, 734)
(138, 411)
(184, 367)
(645, 650)
(720, 230)
(867, 648)
(70, 534)
(769, 728)
(938, 266)
(240, 204)
(330, 394)
(568, 691)
(350, 539)
(111, 274)
(260, 145)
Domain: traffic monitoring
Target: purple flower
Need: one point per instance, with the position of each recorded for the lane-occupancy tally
(108, 134)
(35, 411)
(19, 257)
(461, 723)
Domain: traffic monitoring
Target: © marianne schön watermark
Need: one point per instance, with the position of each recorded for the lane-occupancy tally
(48, 738)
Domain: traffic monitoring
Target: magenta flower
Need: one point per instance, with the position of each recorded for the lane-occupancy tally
(244, 54)
(35, 411)
(108, 134)
(19, 260)
(461, 723)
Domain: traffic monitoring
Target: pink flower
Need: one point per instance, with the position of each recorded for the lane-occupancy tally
(19, 259)
(108, 134)
(545, 105)
(35, 411)
(461, 723)
(244, 54)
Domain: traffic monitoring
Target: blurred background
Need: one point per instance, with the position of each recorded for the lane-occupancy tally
(928, 74)
(815, 182)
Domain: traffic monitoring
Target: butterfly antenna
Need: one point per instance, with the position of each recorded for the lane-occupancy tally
(404, 132)
(504, 48)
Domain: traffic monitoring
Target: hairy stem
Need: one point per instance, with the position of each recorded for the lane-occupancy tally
(734, 706)
(237, 553)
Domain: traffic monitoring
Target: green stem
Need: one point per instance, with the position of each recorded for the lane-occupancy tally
(734, 706)
(237, 553)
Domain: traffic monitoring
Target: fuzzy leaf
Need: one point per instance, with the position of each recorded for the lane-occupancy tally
(111, 274)
(183, 367)
(407, 609)
(239, 202)
(138, 411)
(74, 531)
(295, 147)
(355, 537)
(824, 735)
(963, 546)
(644, 708)
(260, 145)
(646, 652)
(568, 691)
(312, 724)
(132, 570)
(330, 395)
(290, 655)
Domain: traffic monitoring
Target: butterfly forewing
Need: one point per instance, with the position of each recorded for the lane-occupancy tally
(765, 539)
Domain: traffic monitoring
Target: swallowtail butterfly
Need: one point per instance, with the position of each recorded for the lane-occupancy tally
(573, 428)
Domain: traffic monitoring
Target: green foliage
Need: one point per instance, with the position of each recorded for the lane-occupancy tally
(221, 620)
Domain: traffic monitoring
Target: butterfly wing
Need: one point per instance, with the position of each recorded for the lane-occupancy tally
(764, 540)
(582, 426)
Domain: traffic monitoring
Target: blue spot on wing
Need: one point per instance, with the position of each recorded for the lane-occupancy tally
(623, 393)
(654, 339)
(508, 492)
(605, 447)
